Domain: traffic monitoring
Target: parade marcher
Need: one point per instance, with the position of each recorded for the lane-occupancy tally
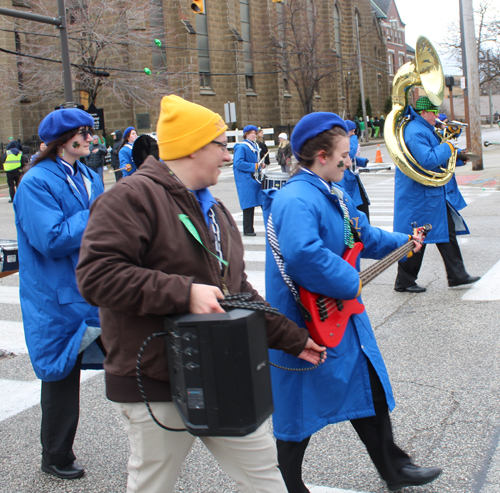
(351, 182)
(139, 261)
(12, 165)
(52, 209)
(312, 221)
(96, 159)
(382, 123)
(115, 160)
(264, 151)
(438, 206)
(284, 156)
(245, 162)
(127, 164)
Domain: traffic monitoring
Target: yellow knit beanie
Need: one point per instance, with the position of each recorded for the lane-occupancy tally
(185, 127)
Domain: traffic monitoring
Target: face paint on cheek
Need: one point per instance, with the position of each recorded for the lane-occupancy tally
(341, 164)
(76, 145)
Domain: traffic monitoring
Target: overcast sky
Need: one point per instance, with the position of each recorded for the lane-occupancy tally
(429, 18)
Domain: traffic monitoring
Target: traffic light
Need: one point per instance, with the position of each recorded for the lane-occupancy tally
(197, 6)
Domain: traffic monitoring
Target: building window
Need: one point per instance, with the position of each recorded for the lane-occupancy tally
(286, 85)
(390, 62)
(401, 59)
(249, 83)
(203, 49)
(247, 43)
(336, 29)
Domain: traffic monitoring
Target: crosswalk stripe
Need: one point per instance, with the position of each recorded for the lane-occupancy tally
(12, 337)
(9, 295)
(326, 489)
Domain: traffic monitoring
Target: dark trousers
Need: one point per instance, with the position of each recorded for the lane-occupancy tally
(450, 252)
(60, 402)
(248, 220)
(13, 179)
(375, 432)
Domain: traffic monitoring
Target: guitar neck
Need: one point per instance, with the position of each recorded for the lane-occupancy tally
(374, 270)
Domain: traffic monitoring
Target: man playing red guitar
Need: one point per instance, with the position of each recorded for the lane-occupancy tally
(310, 221)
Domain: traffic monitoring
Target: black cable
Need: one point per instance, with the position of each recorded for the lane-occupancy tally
(139, 379)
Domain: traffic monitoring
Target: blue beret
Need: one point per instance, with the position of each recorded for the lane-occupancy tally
(249, 128)
(61, 121)
(127, 132)
(312, 125)
(350, 125)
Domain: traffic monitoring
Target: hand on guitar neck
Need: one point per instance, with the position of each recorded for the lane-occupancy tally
(328, 316)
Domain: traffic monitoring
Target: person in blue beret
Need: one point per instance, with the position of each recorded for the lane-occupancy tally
(351, 182)
(127, 165)
(311, 224)
(245, 165)
(62, 330)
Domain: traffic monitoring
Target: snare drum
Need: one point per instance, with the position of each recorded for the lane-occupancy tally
(9, 259)
(274, 180)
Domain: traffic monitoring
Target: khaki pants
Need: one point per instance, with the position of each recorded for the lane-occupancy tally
(157, 455)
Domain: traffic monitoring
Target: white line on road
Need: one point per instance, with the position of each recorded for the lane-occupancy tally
(20, 395)
(254, 256)
(12, 337)
(487, 288)
(9, 295)
(326, 489)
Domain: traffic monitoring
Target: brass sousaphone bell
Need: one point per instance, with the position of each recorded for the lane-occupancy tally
(424, 70)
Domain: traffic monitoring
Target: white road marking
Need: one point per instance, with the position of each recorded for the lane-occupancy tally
(326, 489)
(487, 288)
(20, 395)
(255, 256)
(12, 337)
(257, 278)
(9, 295)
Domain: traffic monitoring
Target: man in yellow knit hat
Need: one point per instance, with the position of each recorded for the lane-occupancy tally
(139, 261)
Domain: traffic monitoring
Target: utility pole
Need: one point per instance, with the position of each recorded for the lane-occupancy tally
(471, 72)
(60, 23)
(361, 85)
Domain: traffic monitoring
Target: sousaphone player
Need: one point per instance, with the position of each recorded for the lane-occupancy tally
(425, 187)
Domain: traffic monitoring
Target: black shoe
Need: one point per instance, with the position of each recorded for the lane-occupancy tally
(467, 280)
(10, 201)
(249, 234)
(411, 289)
(412, 475)
(73, 471)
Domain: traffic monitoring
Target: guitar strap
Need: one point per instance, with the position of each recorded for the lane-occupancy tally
(278, 257)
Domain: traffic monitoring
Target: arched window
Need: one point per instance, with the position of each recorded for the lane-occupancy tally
(336, 29)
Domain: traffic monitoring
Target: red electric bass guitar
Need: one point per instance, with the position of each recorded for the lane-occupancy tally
(329, 316)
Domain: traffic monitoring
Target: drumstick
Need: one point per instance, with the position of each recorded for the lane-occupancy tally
(116, 170)
(260, 162)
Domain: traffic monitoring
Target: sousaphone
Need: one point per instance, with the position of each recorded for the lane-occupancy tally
(424, 70)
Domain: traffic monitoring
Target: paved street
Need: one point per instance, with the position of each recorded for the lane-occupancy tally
(441, 349)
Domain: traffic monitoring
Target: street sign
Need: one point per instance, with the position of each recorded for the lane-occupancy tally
(98, 115)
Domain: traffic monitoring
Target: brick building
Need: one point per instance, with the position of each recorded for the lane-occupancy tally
(225, 55)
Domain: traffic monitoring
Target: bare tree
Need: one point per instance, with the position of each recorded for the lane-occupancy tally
(299, 42)
(111, 43)
(488, 38)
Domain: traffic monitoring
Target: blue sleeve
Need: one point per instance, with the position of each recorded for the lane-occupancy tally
(361, 162)
(353, 146)
(307, 260)
(239, 160)
(424, 148)
(44, 222)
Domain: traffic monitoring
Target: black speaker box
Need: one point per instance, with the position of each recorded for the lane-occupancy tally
(219, 371)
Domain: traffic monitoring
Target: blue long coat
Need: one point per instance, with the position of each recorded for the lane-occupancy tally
(309, 225)
(423, 204)
(246, 154)
(51, 217)
(125, 157)
(351, 182)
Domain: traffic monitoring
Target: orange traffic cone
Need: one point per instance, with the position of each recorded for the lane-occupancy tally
(378, 156)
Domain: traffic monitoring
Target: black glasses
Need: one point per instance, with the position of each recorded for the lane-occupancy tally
(85, 131)
(223, 145)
